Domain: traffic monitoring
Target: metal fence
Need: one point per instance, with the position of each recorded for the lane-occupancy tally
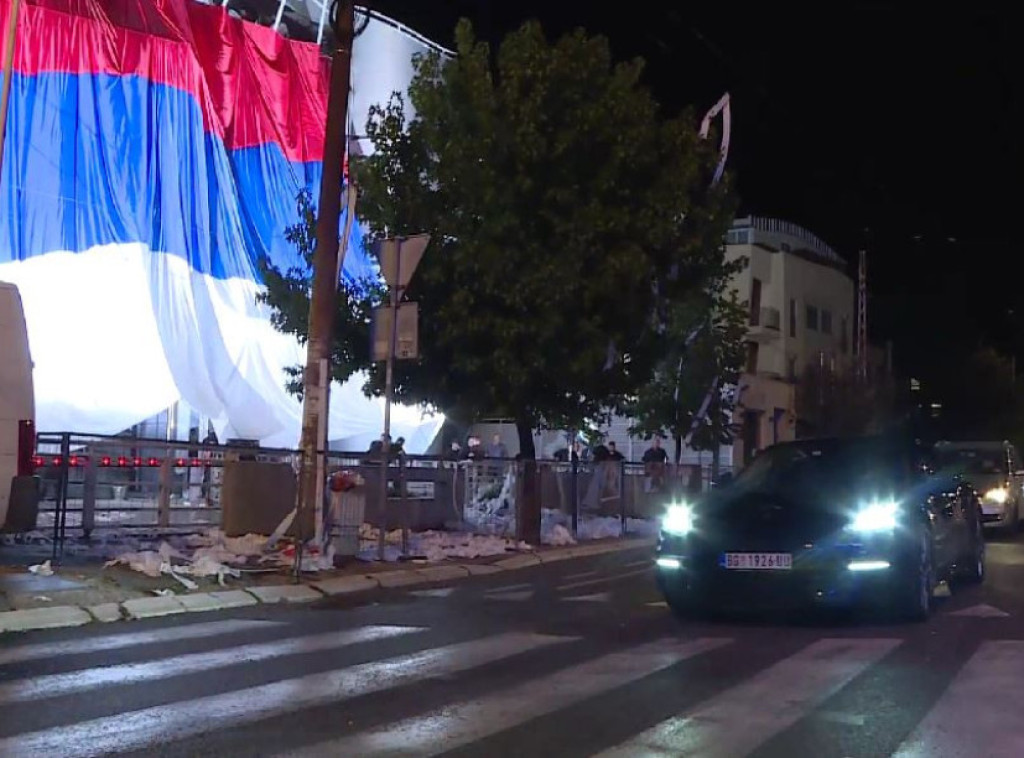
(93, 482)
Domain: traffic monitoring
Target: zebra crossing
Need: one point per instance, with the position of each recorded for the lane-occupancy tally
(137, 702)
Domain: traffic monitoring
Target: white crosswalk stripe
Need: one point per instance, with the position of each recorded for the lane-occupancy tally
(453, 726)
(146, 728)
(977, 706)
(737, 721)
(44, 650)
(191, 663)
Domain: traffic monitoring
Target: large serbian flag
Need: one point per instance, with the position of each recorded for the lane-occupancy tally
(154, 152)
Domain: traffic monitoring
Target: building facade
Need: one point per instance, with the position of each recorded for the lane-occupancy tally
(800, 299)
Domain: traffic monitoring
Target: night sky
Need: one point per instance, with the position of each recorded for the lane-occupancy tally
(873, 126)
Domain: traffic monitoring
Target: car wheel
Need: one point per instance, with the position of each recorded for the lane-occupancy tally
(916, 604)
(1013, 523)
(972, 567)
(680, 602)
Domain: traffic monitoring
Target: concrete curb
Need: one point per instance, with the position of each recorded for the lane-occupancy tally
(285, 593)
(105, 612)
(345, 585)
(196, 602)
(152, 607)
(43, 618)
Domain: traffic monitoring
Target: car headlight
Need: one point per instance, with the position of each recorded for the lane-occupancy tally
(997, 495)
(678, 520)
(875, 517)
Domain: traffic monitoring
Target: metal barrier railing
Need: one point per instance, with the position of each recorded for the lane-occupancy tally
(91, 482)
(95, 482)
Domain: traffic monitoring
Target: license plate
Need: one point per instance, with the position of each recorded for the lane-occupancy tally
(758, 561)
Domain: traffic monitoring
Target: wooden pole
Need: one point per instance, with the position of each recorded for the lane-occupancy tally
(323, 300)
(5, 93)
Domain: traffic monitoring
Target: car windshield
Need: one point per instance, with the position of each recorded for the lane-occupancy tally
(827, 467)
(972, 461)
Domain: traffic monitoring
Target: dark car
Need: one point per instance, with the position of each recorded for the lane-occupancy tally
(827, 523)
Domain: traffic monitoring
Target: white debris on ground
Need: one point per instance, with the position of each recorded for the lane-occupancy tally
(434, 546)
(496, 516)
(41, 569)
(213, 554)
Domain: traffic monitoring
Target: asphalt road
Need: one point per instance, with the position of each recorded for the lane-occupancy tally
(571, 659)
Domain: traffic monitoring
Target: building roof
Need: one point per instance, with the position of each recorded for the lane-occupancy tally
(809, 242)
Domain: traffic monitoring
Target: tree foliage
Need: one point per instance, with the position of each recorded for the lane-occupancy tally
(287, 292)
(835, 402)
(980, 398)
(567, 215)
(705, 355)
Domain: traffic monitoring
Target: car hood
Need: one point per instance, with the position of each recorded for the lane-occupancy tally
(769, 521)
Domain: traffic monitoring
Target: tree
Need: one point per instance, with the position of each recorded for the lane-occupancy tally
(831, 402)
(556, 193)
(980, 398)
(706, 355)
(287, 292)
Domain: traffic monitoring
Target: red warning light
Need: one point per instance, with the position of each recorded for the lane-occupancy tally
(105, 460)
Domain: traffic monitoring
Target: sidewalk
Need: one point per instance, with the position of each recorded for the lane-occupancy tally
(86, 593)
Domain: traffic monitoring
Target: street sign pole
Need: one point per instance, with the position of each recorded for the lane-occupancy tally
(389, 389)
(397, 274)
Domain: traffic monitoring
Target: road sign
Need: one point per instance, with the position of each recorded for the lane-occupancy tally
(407, 343)
(405, 250)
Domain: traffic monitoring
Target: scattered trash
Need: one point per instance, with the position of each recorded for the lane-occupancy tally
(43, 599)
(164, 593)
(41, 569)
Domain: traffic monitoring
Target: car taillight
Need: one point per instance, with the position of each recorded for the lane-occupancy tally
(26, 447)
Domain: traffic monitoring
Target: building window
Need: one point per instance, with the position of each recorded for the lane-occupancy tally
(826, 321)
(844, 337)
(792, 318)
(755, 302)
(812, 318)
(752, 357)
(737, 237)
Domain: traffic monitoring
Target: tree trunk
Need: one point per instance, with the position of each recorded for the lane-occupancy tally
(716, 435)
(528, 511)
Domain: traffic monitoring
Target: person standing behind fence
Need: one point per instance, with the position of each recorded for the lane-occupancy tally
(497, 448)
(499, 453)
(655, 459)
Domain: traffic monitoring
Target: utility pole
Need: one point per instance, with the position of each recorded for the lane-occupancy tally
(5, 94)
(323, 299)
